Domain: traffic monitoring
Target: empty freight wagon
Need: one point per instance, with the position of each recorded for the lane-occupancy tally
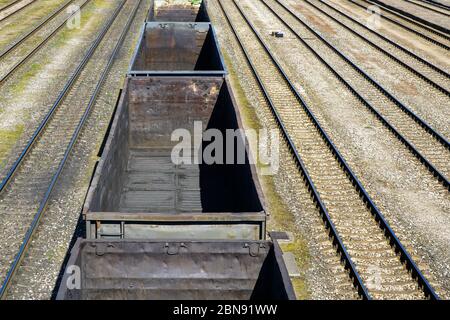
(138, 192)
(192, 270)
(177, 48)
(176, 10)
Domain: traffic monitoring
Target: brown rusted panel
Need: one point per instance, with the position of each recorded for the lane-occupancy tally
(176, 270)
(170, 103)
(177, 47)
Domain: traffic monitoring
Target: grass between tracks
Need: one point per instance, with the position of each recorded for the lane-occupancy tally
(7, 138)
(280, 219)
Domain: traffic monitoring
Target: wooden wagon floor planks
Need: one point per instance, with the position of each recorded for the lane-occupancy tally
(154, 183)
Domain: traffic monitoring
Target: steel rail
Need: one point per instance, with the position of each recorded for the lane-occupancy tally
(34, 30)
(20, 63)
(441, 177)
(337, 241)
(397, 23)
(9, 5)
(410, 20)
(436, 4)
(378, 216)
(398, 46)
(412, 16)
(390, 96)
(59, 100)
(74, 138)
(390, 55)
(428, 8)
(18, 10)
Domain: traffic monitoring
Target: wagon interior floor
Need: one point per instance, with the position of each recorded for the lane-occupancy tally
(153, 183)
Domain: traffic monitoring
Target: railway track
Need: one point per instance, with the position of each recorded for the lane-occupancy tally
(429, 18)
(9, 5)
(11, 59)
(412, 101)
(436, 4)
(53, 85)
(26, 192)
(431, 7)
(55, 106)
(419, 67)
(429, 146)
(418, 29)
(417, 136)
(424, 68)
(25, 36)
(410, 20)
(3, 10)
(358, 229)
